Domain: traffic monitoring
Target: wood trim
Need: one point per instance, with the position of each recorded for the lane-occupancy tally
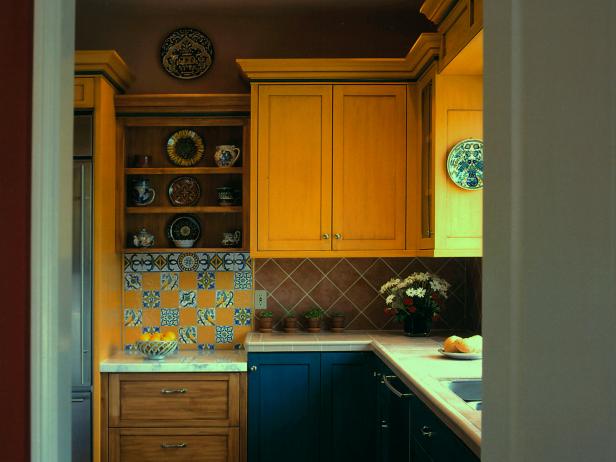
(179, 103)
(104, 425)
(436, 10)
(83, 93)
(254, 127)
(243, 417)
(409, 68)
(254, 253)
(104, 62)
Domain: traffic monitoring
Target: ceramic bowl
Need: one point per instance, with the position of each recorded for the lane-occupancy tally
(184, 244)
(157, 349)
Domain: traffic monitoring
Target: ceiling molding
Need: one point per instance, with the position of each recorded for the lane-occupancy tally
(219, 103)
(436, 10)
(104, 62)
(425, 49)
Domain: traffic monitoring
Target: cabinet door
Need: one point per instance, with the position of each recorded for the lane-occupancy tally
(283, 407)
(294, 162)
(369, 167)
(348, 407)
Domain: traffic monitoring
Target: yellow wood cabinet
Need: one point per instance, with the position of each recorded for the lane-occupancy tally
(83, 93)
(330, 169)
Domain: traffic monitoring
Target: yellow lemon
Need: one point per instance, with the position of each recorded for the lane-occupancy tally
(156, 336)
(145, 337)
(169, 336)
(449, 345)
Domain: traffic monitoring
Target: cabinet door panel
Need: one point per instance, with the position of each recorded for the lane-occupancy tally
(294, 167)
(369, 167)
(348, 409)
(283, 407)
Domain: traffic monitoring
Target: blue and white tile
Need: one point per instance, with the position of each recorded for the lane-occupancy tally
(198, 261)
(242, 316)
(206, 316)
(150, 329)
(206, 280)
(187, 334)
(151, 299)
(169, 281)
(133, 317)
(206, 346)
(224, 298)
(224, 334)
(169, 317)
(188, 299)
(133, 281)
(242, 280)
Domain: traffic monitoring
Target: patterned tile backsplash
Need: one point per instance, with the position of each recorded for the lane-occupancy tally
(350, 285)
(205, 298)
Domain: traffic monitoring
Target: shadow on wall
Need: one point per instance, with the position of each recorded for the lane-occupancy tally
(351, 286)
(240, 33)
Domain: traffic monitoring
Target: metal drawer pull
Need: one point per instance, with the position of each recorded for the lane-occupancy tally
(173, 446)
(173, 391)
(426, 431)
(386, 381)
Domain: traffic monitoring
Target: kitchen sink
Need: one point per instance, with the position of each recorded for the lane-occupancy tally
(469, 390)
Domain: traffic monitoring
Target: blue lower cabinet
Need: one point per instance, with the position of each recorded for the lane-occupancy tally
(284, 407)
(348, 407)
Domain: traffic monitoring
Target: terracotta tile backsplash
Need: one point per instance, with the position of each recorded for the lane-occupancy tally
(205, 298)
(351, 285)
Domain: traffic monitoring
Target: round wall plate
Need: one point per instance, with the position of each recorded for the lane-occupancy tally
(187, 53)
(184, 191)
(185, 148)
(465, 164)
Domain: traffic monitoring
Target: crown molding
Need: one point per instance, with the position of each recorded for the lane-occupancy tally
(107, 63)
(219, 103)
(436, 10)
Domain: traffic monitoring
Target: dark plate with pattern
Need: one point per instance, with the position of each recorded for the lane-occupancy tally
(184, 191)
(187, 53)
(185, 147)
(184, 228)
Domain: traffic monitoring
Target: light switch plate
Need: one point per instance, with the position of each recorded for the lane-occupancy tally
(260, 299)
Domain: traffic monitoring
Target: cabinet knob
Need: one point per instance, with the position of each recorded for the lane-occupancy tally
(253, 368)
(426, 431)
(338, 236)
(325, 236)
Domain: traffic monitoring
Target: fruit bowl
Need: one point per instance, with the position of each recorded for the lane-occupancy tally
(156, 349)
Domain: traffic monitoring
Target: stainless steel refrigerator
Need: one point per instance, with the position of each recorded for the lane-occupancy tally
(82, 290)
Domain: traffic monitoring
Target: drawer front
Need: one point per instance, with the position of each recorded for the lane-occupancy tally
(83, 93)
(168, 400)
(173, 445)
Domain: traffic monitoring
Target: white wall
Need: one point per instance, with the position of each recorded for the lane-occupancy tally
(549, 312)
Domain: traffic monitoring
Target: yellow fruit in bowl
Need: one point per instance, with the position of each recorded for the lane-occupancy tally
(169, 336)
(156, 336)
(145, 337)
(449, 345)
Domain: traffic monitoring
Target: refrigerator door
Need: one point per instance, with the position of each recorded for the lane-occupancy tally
(82, 275)
(81, 407)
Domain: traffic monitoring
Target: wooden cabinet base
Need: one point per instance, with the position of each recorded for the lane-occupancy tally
(174, 445)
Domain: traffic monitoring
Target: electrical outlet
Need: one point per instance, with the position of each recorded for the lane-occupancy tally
(260, 299)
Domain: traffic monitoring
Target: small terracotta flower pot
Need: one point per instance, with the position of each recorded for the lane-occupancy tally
(337, 324)
(290, 324)
(265, 325)
(314, 325)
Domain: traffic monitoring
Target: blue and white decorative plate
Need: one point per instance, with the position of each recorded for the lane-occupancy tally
(465, 164)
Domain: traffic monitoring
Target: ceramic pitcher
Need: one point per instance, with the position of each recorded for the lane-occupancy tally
(226, 155)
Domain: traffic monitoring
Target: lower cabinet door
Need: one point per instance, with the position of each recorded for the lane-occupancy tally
(283, 407)
(173, 445)
(347, 407)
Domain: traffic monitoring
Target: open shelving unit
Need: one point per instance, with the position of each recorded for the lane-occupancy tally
(143, 130)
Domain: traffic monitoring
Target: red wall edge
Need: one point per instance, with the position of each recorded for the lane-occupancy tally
(15, 168)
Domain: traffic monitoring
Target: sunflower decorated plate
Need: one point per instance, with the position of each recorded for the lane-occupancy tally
(185, 148)
(465, 164)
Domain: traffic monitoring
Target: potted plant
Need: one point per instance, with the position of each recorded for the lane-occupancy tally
(314, 319)
(290, 323)
(337, 322)
(415, 301)
(265, 321)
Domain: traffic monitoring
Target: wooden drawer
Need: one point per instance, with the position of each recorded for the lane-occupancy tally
(83, 93)
(174, 400)
(173, 445)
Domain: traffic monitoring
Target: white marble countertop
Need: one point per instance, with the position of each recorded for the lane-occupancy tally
(182, 361)
(415, 360)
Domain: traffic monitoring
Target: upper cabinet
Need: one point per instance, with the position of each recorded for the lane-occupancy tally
(330, 168)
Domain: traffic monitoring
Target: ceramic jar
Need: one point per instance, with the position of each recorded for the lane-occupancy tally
(226, 155)
(142, 193)
(143, 239)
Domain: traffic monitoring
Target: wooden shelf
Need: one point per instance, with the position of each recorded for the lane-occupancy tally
(212, 209)
(182, 250)
(184, 170)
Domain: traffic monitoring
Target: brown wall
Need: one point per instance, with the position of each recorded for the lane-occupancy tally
(137, 36)
(15, 133)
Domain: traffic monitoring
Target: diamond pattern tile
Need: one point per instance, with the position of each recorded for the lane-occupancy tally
(289, 264)
(361, 293)
(361, 264)
(325, 264)
(269, 275)
(307, 275)
(378, 274)
(325, 293)
(343, 275)
(288, 294)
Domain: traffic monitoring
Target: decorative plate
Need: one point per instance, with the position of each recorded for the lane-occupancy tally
(187, 53)
(184, 191)
(185, 148)
(465, 164)
(467, 356)
(184, 228)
